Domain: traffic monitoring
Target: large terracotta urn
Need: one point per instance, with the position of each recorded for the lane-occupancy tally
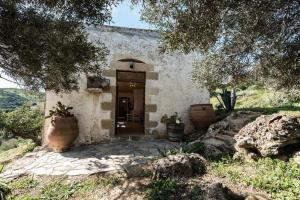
(62, 133)
(202, 116)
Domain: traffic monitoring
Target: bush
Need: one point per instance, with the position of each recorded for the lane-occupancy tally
(2, 118)
(24, 122)
(16, 142)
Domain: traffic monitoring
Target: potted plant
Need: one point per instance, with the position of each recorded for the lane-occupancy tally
(175, 127)
(63, 129)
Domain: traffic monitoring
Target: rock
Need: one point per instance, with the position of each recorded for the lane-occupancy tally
(296, 157)
(179, 165)
(219, 138)
(256, 197)
(217, 191)
(269, 135)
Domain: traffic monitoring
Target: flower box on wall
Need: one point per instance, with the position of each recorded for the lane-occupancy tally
(96, 84)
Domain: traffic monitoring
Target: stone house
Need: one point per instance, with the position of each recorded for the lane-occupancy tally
(144, 85)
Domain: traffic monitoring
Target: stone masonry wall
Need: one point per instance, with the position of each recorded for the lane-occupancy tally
(169, 87)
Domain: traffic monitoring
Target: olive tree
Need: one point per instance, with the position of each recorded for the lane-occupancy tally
(241, 40)
(43, 43)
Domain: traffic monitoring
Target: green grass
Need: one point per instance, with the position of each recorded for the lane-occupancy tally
(162, 189)
(278, 178)
(25, 182)
(60, 188)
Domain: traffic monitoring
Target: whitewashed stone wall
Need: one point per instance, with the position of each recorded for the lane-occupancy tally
(176, 91)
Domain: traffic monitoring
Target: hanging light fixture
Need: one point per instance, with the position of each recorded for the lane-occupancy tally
(132, 84)
(131, 63)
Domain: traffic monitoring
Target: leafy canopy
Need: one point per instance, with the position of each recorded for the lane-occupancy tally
(43, 43)
(239, 39)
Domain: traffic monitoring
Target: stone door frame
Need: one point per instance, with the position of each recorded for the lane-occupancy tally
(111, 73)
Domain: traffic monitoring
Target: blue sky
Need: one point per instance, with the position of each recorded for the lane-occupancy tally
(122, 15)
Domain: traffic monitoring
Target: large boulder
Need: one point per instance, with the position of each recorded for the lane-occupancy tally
(269, 135)
(219, 139)
(179, 165)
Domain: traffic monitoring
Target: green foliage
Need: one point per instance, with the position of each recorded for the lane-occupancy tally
(278, 178)
(4, 188)
(194, 147)
(2, 122)
(11, 98)
(239, 39)
(44, 44)
(29, 188)
(9, 144)
(4, 191)
(24, 122)
(14, 148)
(262, 100)
(25, 182)
(58, 191)
(60, 110)
(162, 189)
(173, 119)
(108, 181)
(165, 152)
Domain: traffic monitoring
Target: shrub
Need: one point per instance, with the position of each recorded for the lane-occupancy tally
(24, 122)
(2, 118)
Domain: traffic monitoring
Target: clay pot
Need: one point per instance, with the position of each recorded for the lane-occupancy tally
(175, 132)
(61, 133)
(202, 116)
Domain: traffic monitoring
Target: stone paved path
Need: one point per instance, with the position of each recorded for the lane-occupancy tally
(85, 160)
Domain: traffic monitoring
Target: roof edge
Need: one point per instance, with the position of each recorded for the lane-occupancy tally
(123, 28)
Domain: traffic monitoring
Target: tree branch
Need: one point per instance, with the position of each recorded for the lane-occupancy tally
(9, 80)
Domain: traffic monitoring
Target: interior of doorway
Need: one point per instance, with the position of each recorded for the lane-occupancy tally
(130, 103)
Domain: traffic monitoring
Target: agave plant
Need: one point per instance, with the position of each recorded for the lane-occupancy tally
(60, 110)
(4, 191)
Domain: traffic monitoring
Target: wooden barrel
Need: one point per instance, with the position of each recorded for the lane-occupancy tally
(175, 132)
(202, 116)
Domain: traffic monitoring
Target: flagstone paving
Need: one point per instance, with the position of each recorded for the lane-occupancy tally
(86, 160)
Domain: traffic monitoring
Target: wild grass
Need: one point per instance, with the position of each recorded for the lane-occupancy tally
(60, 188)
(162, 189)
(278, 178)
(13, 148)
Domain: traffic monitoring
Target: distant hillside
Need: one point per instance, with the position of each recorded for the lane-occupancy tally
(11, 98)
